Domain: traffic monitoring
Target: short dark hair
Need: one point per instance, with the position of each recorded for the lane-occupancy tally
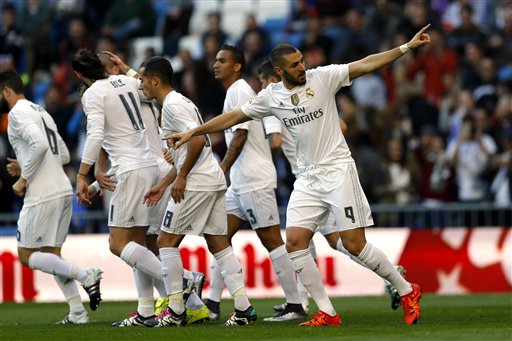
(159, 67)
(266, 69)
(11, 79)
(88, 64)
(277, 53)
(236, 52)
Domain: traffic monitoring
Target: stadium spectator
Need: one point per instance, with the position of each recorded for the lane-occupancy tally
(470, 155)
(126, 19)
(436, 63)
(468, 31)
(11, 40)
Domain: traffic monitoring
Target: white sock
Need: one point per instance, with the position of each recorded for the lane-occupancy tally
(311, 278)
(231, 271)
(160, 287)
(377, 261)
(139, 257)
(216, 282)
(50, 264)
(194, 302)
(144, 285)
(312, 248)
(341, 248)
(303, 294)
(283, 268)
(70, 291)
(172, 274)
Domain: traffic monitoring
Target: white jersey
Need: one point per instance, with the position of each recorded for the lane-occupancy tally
(40, 151)
(254, 168)
(180, 114)
(309, 113)
(287, 144)
(114, 122)
(154, 134)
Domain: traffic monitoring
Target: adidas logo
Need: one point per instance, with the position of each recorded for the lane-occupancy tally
(271, 218)
(39, 239)
(131, 220)
(377, 267)
(188, 228)
(298, 271)
(281, 104)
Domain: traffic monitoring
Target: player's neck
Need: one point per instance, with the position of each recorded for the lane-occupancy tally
(11, 102)
(227, 82)
(162, 94)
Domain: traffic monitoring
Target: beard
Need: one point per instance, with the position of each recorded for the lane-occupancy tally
(291, 80)
(4, 107)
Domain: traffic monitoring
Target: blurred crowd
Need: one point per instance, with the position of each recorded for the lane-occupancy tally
(433, 127)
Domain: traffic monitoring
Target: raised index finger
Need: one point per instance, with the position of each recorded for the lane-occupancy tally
(424, 28)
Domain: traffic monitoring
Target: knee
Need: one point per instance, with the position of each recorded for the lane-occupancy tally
(115, 247)
(294, 244)
(271, 241)
(354, 247)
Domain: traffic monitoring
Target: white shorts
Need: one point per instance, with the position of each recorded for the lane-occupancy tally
(45, 224)
(329, 227)
(157, 212)
(309, 208)
(126, 207)
(199, 213)
(259, 208)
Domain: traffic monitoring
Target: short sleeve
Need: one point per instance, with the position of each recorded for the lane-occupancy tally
(272, 125)
(177, 117)
(259, 106)
(334, 76)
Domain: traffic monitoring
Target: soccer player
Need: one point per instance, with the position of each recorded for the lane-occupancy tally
(251, 195)
(304, 102)
(150, 116)
(282, 139)
(114, 123)
(46, 213)
(198, 201)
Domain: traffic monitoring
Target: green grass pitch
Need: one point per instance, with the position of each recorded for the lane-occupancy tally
(469, 317)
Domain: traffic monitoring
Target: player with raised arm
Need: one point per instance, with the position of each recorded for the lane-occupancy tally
(114, 123)
(282, 139)
(327, 181)
(251, 195)
(44, 219)
(198, 201)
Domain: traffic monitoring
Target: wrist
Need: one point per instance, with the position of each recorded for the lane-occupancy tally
(131, 73)
(404, 48)
(81, 174)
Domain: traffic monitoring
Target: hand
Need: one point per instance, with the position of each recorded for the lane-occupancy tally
(105, 181)
(178, 139)
(420, 39)
(152, 196)
(13, 167)
(116, 60)
(92, 191)
(19, 187)
(168, 156)
(178, 189)
(82, 191)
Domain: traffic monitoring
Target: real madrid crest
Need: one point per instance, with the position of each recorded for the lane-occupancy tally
(295, 99)
(310, 93)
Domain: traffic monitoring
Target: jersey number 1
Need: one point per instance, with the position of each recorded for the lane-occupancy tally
(137, 124)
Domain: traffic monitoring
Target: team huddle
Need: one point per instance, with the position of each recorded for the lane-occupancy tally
(162, 192)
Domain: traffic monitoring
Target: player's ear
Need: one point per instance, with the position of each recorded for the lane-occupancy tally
(278, 70)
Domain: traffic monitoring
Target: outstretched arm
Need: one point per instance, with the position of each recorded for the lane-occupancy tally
(376, 61)
(218, 123)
